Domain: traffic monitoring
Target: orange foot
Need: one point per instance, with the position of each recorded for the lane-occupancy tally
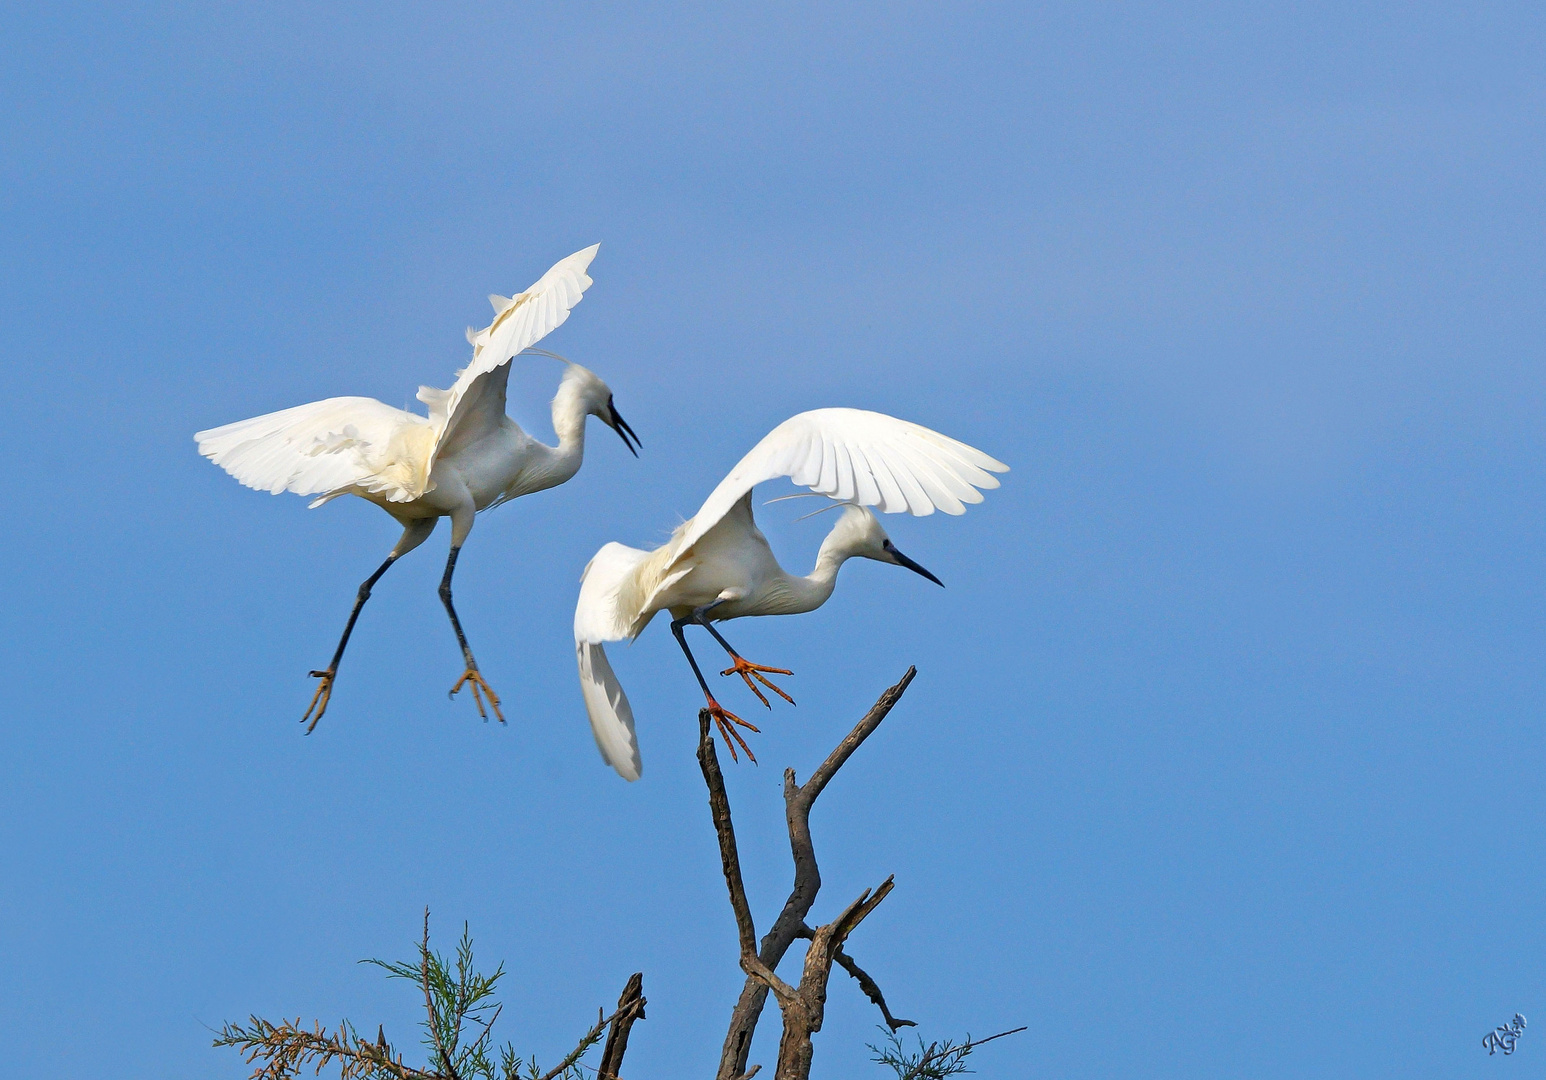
(472, 678)
(320, 699)
(749, 671)
(727, 721)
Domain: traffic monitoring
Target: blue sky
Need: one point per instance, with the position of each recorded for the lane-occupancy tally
(1225, 754)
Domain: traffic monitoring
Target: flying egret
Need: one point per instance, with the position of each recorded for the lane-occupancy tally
(718, 565)
(464, 457)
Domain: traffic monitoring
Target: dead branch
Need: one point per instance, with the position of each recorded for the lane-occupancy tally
(802, 1007)
(804, 1016)
(866, 984)
(589, 1038)
(730, 862)
(630, 1007)
(871, 991)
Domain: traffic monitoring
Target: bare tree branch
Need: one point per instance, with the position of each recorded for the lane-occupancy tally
(868, 985)
(730, 861)
(591, 1037)
(804, 1016)
(854, 739)
(729, 857)
(798, 800)
(871, 990)
(630, 1007)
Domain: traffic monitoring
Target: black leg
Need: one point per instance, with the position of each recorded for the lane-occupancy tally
(681, 639)
(324, 692)
(722, 716)
(471, 676)
(445, 598)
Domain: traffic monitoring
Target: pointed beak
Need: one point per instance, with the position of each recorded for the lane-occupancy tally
(624, 432)
(902, 560)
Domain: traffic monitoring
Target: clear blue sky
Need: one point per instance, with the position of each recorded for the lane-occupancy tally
(1225, 758)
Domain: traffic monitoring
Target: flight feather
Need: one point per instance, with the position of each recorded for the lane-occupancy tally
(857, 456)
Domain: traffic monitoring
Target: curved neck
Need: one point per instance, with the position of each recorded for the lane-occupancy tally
(569, 413)
(809, 593)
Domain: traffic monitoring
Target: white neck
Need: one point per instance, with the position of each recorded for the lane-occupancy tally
(809, 593)
(569, 415)
(557, 464)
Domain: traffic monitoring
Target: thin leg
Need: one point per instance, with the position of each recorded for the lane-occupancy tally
(324, 692)
(414, 533)
(470, 677)
(722, 716)
(744, 667)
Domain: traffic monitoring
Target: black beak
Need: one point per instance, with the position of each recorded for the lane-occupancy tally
(903, 560)
(624, 432)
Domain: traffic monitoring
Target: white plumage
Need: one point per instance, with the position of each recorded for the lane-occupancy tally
(356, 445)
(465, 456)
(718, 565)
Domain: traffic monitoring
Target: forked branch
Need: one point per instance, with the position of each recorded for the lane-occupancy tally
(803, 1006)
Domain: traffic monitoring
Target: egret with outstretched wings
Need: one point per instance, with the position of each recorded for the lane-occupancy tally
(465, 456)
(718, 565)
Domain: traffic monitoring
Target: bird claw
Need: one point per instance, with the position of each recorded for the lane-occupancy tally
(749, 671)
(473, 679)
(320, 699)
(725, 720)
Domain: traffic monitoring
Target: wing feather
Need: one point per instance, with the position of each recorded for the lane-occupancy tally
(519, 323)
(606, 611)
(326, 447)
(803, 462)
(894, 465)
(941, 487)
(905, 475)
(608, 604)
(866, 491)
(611, 716)
(345, 444)
(828, 479)
(845, 469)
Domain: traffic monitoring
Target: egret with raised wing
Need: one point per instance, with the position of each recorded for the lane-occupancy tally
(464, 457)
(718, 565)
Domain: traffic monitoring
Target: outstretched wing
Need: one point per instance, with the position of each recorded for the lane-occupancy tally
(519, 323)
(326, 447)
(857, 456)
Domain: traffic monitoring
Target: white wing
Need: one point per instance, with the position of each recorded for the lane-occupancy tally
(606, 609)
(863, 457)
(326, 447)
(519, 322)
(611, 717)
(599, 617)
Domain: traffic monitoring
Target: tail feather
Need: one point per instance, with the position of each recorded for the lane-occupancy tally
(611, 717)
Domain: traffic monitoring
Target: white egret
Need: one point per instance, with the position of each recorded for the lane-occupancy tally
(464, 457)
(718, 565)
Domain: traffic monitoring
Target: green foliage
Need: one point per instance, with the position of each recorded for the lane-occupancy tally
(460, 1011)
(934, 1061)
